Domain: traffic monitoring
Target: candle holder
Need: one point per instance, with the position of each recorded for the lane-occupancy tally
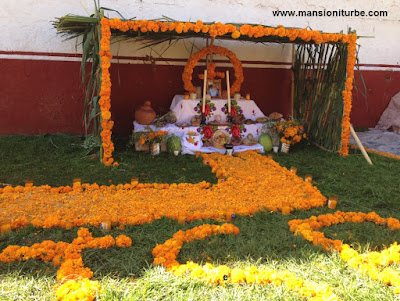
(228, 149)
(293, 169)
(134, 182)
(28, 183)
(229, 118)
(308, 178)
(76, 182)
(106, 226)
(332, 202)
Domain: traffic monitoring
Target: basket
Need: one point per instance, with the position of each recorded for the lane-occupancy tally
(219, 138)
(195, 123)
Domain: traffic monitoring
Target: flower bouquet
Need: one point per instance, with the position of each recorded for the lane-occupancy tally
(152, 137)
(290, 131)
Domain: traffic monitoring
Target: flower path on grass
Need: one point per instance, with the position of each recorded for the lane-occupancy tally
(251, 183)
(248, 183)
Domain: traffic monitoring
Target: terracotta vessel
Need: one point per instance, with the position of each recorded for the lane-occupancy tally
(145, 114)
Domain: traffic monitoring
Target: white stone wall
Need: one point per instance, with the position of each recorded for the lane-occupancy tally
(26, 24)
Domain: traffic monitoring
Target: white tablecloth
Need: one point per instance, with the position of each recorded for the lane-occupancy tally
(181, 132)
(185, 109)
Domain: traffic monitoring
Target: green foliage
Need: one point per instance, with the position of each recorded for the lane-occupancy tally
(319, 79)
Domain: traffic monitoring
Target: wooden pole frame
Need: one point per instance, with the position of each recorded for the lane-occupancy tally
(363, 151)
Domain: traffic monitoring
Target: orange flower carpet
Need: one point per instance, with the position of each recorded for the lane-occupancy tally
(251, 183)
(248, 183)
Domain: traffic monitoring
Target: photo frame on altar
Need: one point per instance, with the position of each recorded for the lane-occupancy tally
(214, 88)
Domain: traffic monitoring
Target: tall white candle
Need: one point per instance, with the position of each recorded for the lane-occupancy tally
(228, 90)
(204, 90)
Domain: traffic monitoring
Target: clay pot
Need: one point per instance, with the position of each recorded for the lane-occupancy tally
(145, 114)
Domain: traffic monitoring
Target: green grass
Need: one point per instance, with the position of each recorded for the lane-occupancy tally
(264, 239)
(57, 159)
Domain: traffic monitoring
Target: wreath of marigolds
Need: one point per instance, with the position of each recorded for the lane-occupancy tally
(212, 49)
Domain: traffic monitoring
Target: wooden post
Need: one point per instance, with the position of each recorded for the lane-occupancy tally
(292, 79)
(204, 91)
(353, 132)
(228, 90)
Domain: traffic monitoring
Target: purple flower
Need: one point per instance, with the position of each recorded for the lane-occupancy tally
(244, 130)
(223, 109)
(240, 111)
(198, 130)
(227, 129)
(196, 108)
(214, 108)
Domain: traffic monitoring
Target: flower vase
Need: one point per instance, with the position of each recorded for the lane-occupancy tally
(285, 147)
(154, 149)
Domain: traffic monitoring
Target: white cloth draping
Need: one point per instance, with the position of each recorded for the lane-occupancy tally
(185, 109)
(182, 132)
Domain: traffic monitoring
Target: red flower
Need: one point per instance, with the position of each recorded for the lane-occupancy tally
(233, 111)
(206, 110)
(235, 131)
(208, 132)
(195, 144)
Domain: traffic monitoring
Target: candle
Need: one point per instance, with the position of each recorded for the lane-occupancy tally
(293, 169)
(134, 182)
(248, 96)
(308, 178)
(105, 225)
(332, 202)
(76, 182)
(204, 91)
(28, 183)
(186, 96)
(228, 89)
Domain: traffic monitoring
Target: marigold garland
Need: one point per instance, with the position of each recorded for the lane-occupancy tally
(374, 264)
(67, 256)
(367, 264)
(167, 253)
(214, 30)
(82, 290)
(307, 227)
(212, 49)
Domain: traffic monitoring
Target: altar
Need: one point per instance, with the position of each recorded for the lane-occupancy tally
(186, 109)
(209, 119)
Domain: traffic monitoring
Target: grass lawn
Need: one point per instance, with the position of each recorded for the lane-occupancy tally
(264, 239)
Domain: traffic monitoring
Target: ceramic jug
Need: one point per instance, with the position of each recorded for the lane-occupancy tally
(145, 114)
